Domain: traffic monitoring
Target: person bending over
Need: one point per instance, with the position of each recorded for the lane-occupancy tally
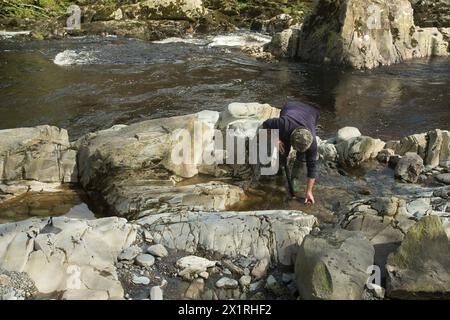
(297, 128)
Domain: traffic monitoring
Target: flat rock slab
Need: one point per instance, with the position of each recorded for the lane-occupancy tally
(67, 255)
(272, 235)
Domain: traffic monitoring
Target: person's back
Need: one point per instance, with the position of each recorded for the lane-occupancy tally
(297, 127)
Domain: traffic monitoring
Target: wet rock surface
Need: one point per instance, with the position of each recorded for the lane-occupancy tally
(207, 232)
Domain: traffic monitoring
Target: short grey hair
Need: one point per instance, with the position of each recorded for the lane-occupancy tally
(301, 139)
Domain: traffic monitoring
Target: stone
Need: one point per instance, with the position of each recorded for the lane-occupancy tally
(42, 153)
(385, 206)
(416, 143)
(420, 269)
(141, 280)
(443, 177)
(260, 269)
(279, 45)
(156, 293)
(384, 155)
(129, 254)
(366, 34)
(193, 265)
(409, 167)
(85, 294)
(233, 233)
(195, 289)
(158, 250)
(227, 283)
(145, 260)
(232, 267)
(444, 154)
(334, 265)
(69, 254)
(419, 208)
(245, 281)
(354, 151)
(327, 152)
(347, 133)
(434, 148)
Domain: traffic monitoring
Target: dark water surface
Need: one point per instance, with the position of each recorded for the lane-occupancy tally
(112, 80)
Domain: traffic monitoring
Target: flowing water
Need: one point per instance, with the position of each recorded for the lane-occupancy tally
(92, 83)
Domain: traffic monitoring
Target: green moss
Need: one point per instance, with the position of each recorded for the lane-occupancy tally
(322, 286)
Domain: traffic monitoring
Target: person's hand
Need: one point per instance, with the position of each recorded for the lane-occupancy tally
(309, 198)
(281, 146)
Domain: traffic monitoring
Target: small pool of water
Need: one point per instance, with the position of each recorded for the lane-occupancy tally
(69, 203)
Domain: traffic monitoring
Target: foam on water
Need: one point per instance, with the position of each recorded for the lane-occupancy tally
(195, 41)
(239, 40)
(72, 57)
(231, 40)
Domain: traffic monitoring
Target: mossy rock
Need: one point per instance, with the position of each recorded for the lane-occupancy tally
(420, 269)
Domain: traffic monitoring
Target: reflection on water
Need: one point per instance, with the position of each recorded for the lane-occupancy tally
(69, 203)
(124, 81)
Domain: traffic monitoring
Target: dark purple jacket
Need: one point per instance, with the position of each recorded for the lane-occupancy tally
(294, 115)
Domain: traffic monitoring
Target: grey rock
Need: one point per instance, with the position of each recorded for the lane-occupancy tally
(145, 260)
(129, 254)
(227, 283)
(141, 280)
(345, 33)
(245, 281)
(156, 293)
(216, 232)
(347, 133)
(420, 269)
(334, 265)
(409, 167)
(158, 250)
(443, 177)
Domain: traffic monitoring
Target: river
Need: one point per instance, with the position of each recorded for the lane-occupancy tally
(92, 83)
(86, 84)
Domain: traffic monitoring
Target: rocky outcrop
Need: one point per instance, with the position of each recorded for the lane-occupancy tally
(409, 167)
(75, 257)
(420, 269)
(366, 34)
(261, 235)
(333, 265)
(40, 154)
(386, 220)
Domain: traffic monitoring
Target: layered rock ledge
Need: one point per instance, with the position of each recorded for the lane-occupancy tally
(172, 212)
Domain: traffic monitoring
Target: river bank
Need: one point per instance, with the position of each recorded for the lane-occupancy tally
(137, 180)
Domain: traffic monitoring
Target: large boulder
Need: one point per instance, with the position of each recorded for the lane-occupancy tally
(354, 151)
(334, 266)
(41, 153)
(261, 235)
(420, 269)
(409, 167)
(366, 34)
(137, 168)
(67, 255)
